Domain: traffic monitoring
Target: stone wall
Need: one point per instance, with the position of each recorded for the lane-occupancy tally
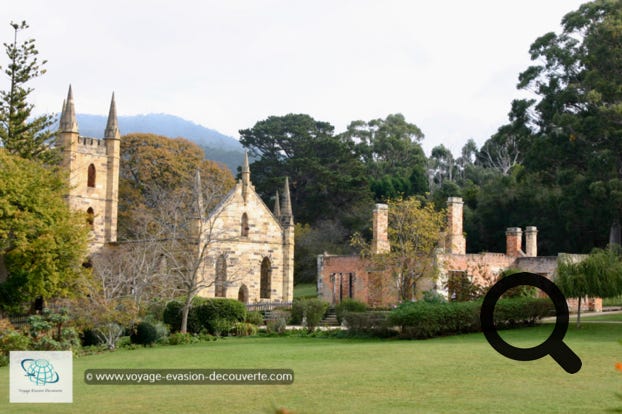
(245, 246)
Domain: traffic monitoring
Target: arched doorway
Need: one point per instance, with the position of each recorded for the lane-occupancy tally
(243, 294)
(266, 279)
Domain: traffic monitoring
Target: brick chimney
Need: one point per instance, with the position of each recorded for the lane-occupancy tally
(513, 241)
(531, 241)
(380, 243)
(456, 243)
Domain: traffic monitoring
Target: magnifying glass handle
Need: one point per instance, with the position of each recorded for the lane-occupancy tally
(567, 359)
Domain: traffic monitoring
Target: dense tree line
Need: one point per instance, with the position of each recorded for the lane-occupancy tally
(556, 163)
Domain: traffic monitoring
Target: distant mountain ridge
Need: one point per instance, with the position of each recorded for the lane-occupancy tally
(217, 146)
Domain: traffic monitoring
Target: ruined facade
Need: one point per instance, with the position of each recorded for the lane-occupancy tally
(251, 249)
(352, 276)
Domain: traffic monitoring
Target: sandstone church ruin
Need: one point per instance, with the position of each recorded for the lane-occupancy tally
(252, 256)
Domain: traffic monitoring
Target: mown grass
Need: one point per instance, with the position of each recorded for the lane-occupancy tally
(459, 374)
(305, 290)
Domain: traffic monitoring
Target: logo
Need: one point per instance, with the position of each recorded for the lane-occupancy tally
(40, 377)
(39, 371)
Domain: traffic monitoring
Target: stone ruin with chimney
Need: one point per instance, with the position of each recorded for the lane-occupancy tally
(341, 277)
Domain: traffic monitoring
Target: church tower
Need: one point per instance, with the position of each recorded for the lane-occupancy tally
(93, 166)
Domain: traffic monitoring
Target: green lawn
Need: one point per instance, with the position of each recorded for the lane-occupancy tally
(460, 374)
(305, 289)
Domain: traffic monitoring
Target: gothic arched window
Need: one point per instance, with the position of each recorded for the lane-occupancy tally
(266, 279)
(91, 176)
(244, 231)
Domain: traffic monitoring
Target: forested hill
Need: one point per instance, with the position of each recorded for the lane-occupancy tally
(218, 147)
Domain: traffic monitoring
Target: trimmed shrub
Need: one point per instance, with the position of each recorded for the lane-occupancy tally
(349, 305)
(144, 334)
(426, 320)
(182, 338)
(219, 315)
(297, 311)
(172, 316)
(371, 323)
(314, 310)
(254, 317)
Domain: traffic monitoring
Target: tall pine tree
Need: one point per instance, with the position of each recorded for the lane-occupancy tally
(21, 133)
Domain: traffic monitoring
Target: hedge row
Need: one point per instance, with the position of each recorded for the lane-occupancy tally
(216, 316)
(426, 320)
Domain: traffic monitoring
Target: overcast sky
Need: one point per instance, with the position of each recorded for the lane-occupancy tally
(450, 67)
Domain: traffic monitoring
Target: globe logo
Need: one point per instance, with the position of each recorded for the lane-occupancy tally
(40, 371)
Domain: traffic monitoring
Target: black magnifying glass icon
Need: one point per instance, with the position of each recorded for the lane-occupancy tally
(554, 344)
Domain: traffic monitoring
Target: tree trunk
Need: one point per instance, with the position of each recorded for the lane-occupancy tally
(184, 315)
(579, 313)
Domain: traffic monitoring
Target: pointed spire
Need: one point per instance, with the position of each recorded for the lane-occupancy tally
(62, 113)
(277, 205)
(112, 126)
(286, 212)
(246, 176)
(246, 171)
(68, 121)
(198, 194)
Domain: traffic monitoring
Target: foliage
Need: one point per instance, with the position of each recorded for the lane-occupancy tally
(523, 291)
(179, 338)
(144, 334)
(326, 177)
(46, 332)
(298, 311)
(391, 152)
(172, 316)
(154, 167)
(432, 296)
(11, 340)
(372, 323)
(414, 226)
(254, 317)
(277, 323)
(42, 242)
(326, 235)
(22, 134)
(597, 275)
(217, 315)
(425, 320)
(244, 329)
(349, 305)
(313, 311)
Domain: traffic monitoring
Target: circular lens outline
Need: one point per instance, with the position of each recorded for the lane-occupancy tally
(553, 345)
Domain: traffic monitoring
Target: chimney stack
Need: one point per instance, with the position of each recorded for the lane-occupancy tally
(380, 243)
(531, 241)
(456, 243)
(513, 241)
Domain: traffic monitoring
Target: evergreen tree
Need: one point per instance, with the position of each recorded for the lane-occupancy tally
(20, 133)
